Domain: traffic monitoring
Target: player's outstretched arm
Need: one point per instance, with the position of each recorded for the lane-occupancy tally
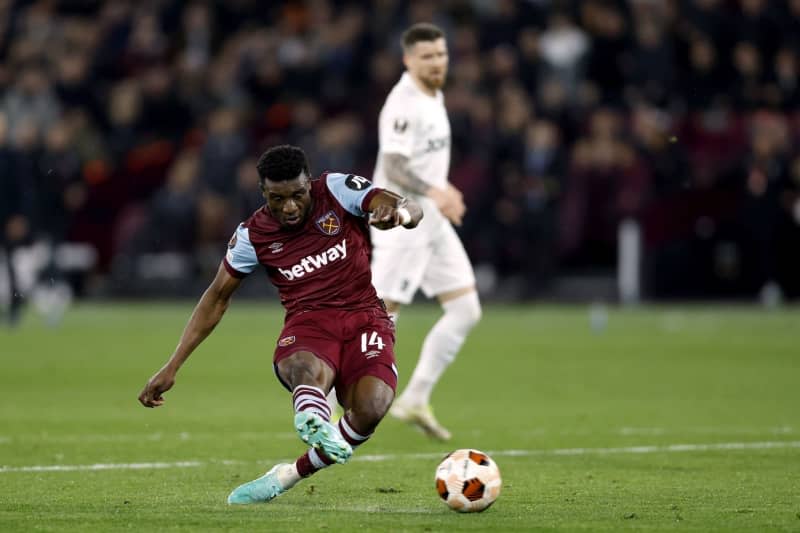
(388, 210)
(206, 315)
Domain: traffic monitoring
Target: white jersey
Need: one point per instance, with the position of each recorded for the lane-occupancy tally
(415, 125)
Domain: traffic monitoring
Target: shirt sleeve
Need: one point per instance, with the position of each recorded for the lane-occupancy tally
(352, 192)
(241, 258)
(396, 129)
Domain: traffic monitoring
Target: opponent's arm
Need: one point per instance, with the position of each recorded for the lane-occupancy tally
(396, 167)
(206, 315)
(449, 201)
(388, 209)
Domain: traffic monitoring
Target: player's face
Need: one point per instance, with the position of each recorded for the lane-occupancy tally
(427, 62)
(289, 201)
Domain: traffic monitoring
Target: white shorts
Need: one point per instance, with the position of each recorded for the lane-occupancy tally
(437, 267)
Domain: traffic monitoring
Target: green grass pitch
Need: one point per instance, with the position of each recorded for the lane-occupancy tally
(684, 419)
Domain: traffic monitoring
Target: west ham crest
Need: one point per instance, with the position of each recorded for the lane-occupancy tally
(286, 341)
(329, 223)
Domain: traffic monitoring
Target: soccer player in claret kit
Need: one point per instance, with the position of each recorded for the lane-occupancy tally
(312, 238)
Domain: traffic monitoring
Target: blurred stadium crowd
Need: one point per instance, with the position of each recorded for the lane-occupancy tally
(134, 127)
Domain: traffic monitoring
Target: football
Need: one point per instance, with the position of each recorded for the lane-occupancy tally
(468, 481)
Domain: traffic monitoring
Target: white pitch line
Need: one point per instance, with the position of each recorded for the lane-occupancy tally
(668, 448)
(382, 509)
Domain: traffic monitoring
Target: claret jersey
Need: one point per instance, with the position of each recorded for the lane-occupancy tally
(323, 264)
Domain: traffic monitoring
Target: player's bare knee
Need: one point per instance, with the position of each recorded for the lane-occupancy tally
(369, 409)
(366, 416)
(303, 368)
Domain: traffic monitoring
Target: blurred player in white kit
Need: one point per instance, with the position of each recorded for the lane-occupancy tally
(414, 160)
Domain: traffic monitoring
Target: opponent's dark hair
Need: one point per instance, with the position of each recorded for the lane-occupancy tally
(422, 31)
(282, 163)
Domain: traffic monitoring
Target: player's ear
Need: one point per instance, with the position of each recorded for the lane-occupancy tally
(407, 58)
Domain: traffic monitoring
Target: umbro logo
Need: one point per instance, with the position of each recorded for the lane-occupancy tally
(400, 125)
(276, 247)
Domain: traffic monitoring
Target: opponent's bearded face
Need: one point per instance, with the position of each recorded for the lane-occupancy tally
(427, 62)
(289, 201)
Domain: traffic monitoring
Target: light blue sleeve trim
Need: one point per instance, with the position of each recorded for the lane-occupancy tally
(349, 190)
(242, 256)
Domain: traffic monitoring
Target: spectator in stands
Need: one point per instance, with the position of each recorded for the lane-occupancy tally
(604, 184)
(763, 177)
(15, 220)
(701, 79)
(663, 159)
(783, 89)
(748, 76)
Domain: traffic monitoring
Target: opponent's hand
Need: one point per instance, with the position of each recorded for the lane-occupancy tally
(450, 202)
(384, 217)
(161, 382)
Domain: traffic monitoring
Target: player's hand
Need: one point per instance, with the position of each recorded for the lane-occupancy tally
(450, 202)
(384, 217)
(161, 382)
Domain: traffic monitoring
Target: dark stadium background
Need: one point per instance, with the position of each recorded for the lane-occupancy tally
(132, 130)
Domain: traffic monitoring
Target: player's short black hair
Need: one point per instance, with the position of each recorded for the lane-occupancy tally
(282, 163)
(422, 31)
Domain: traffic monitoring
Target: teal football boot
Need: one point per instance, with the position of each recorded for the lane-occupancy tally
(322, 435)
(260, 490)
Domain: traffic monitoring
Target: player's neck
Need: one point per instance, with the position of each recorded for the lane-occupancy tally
(422, 87)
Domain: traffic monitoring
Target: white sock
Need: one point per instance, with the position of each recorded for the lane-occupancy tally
(311, 399)
(353, 437)
(288, 476)
(441, 346)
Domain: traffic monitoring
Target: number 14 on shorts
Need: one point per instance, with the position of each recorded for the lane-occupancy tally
(370, 339)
